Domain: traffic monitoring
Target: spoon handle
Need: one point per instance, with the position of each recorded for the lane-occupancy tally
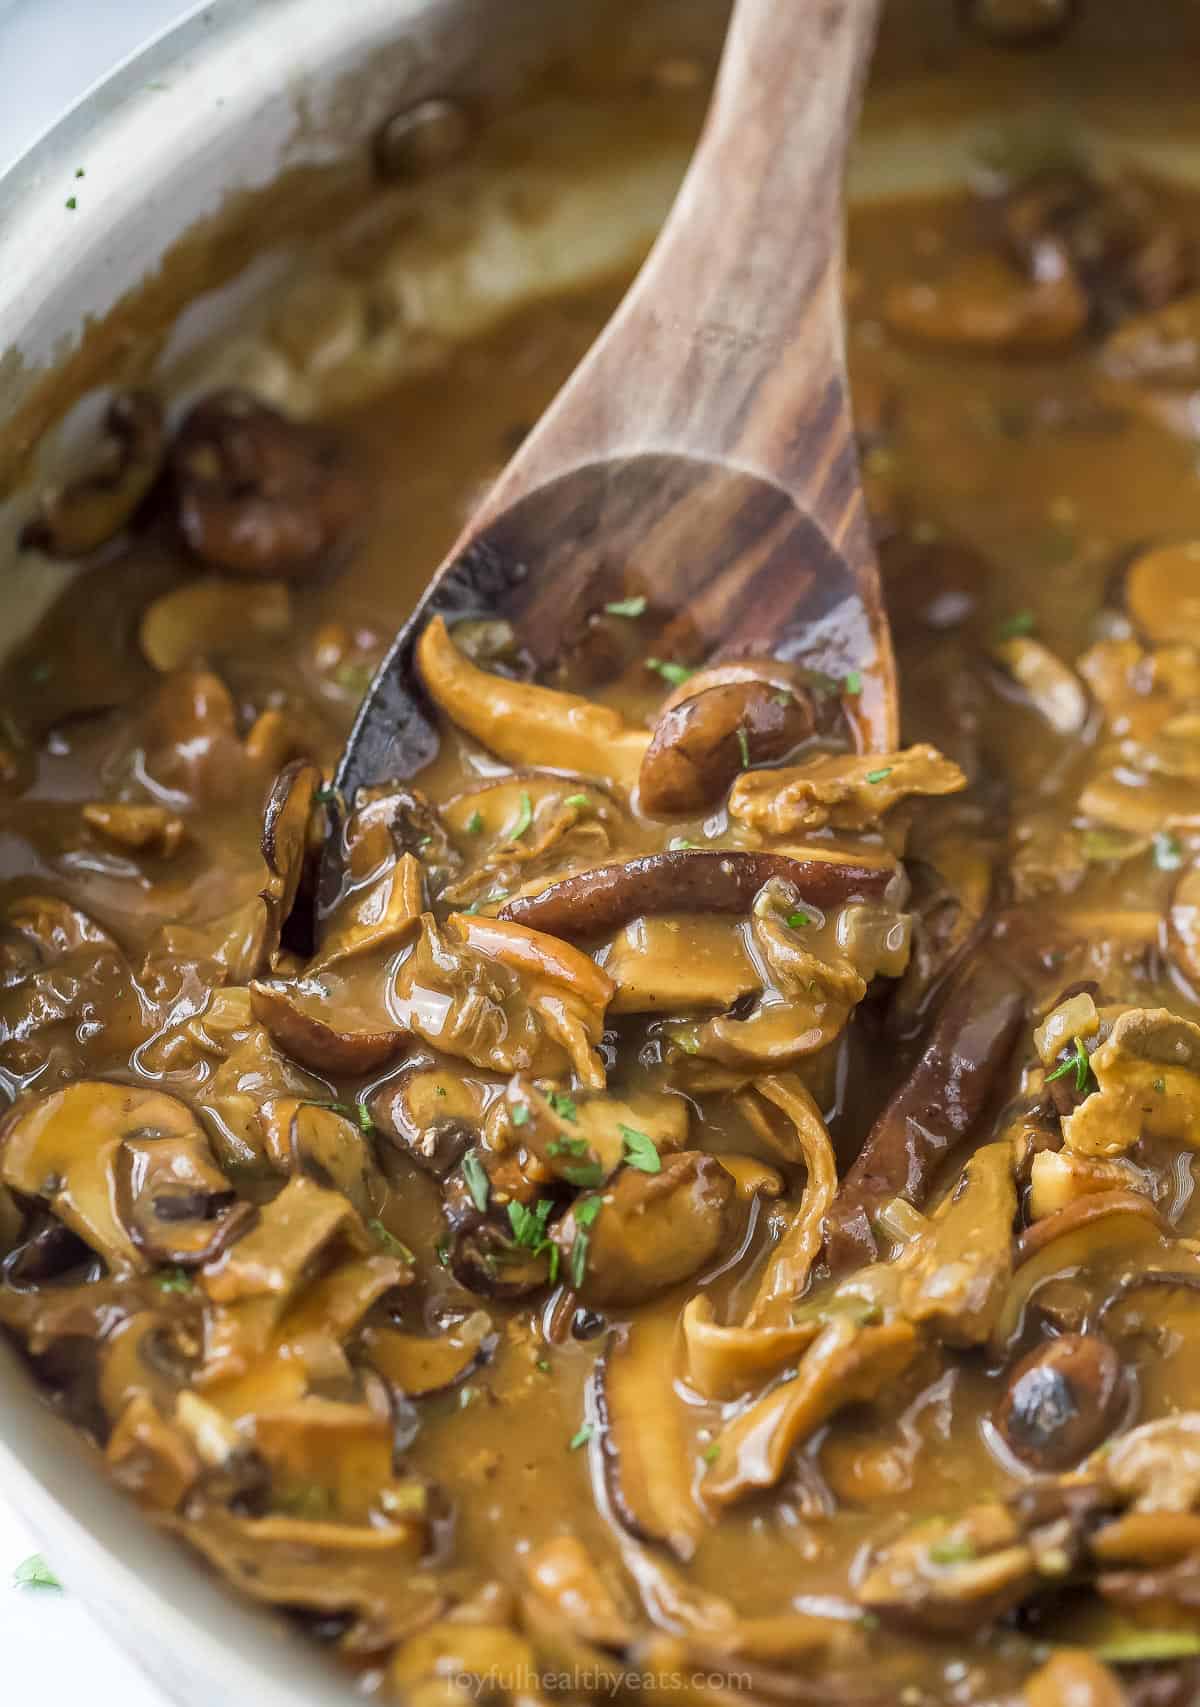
(729, 346)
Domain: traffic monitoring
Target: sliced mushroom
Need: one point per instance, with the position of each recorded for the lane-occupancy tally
(40, 930)
(845, 790)
(432, 1112)
(418, 1366)
(381, 892)
(567, 1581)
(129, 1170)
(326, 1145)
(209, 616)
(525, 724)
(934, 1109)
(726, 1361)
(1060, 1401)
(151, 1459)
(1053, 689)
(284, 840)
(82, 516)
(651, 1231)
(1073, 1678)
(703, 739)
(142, 829)
(259, 494)
(1162, 593)
(1148, 1074)
(790, 1263)
(952, 1574)
(599, 902)
(322, 1032)
(652, 976)
(646, 1464)
(583, 1140)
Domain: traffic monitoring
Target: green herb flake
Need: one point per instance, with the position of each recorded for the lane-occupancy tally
(79, 172)
(466, 1396)
(305, 1499)
(581, 1437)
(543, 1365)
(852, 684)
(519, 1113)
(567, 1146)
(879, 776)
(40, 672)
(711, 1453)
(743, 741)
(797, 921)
(439, 1090)
(783, 697)
(676, 674)
(173, 1280)
(478, 1184)
(363, 1115)
(641, 1152)
(521, 822)
(951, 1551)
(389, 1241)
(554, 1263)
(34, 1572)
(475, 823)
(586, 1212)
(579, 1251)
(1168, 851)
(1020, 622)
(1139, 1647)
(1077, 1062)
(529, 1225)
(563, 1105)
(580, 801)
(678, 843)
(72, 203)
(442, 1252)
(327, 796)
(635, 606)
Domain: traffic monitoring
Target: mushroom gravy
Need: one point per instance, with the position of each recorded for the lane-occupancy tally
(707, 1209)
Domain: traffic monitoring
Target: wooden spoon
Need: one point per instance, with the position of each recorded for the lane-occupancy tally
(703, 453)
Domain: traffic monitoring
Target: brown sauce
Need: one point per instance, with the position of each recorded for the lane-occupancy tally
(448, 1427)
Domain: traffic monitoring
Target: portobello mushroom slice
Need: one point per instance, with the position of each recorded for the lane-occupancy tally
(525, 724)
(600, 901)
(647, 1467)
(847, 791)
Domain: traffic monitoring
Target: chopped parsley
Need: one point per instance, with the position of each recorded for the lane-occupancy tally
(676, 674)
(797, 921)
(1160, 1086)
(1137, 1647)
(521, 822)
(305, 1499)
(879, 776)
(952, 1552)
(635, 606)
(72, 203)
(743, 741)
(486, 900)
(586, 1175)
(442, 1251)
(711, 1453)
(389, 1241)
(584, 1213)
(478, 1184)
(581, 801)
(543, 1365)
(1079, 1063)
(568, 1147)
(520, 1113)
(852, 684)
(581, 1437)
(34, 1572)
(529, 1225)
(1020, 622)
(475, 823)
(641, 1152)
(328, 795)
(563, 1105)
(678, 843)
(1168, 851)
(173, 1280)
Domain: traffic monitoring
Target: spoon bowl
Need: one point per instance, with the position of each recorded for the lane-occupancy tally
(701, 460)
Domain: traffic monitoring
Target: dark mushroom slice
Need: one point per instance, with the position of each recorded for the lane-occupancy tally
(647, 1468)
(935, 1108)
(173, 1200)
(649, 1232)
(332, 1149)
(83, 515)
(432, 1113)
(491, 1265)
(1060, 1401)
(257, 493)
(284, 839)
(600, 901)
(327, 1035)
(709, 731)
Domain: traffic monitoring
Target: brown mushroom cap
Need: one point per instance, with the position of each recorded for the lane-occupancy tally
(327, 1036)
(702, 741)
(1060, 1401)
(259, 494)
(682, 880)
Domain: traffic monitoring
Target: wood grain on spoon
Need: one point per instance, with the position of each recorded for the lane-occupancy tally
(703, 453)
